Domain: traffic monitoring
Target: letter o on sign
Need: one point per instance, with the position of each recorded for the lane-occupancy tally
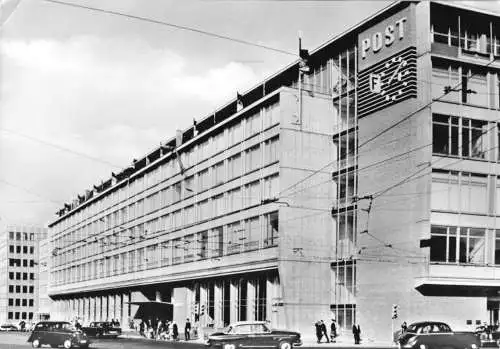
(377, 42)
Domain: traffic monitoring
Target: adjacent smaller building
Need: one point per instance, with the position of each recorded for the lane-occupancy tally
(19, 269)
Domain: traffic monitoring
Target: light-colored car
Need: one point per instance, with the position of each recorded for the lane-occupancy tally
(8, 327)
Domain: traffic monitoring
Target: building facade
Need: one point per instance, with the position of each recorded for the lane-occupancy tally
(370, 183)
(19, 273)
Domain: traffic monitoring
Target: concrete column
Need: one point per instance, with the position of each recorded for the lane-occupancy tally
(98, 308)
(271, 297)
(158, 297)
(190, 303)
(105, 308)
(218, 305)
(203, 304)
(137, 296)
(124, 312)
(251, 295)
(111, 307)
(179, 298)
(92, 309)
(233, 302)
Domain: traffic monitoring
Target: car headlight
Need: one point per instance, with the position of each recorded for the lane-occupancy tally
(423, 346)
(473, 346)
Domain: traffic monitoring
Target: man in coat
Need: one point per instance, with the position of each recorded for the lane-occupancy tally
(324, 332)
(187, 330)
(333, 331)
(356, 331)
(319, 334)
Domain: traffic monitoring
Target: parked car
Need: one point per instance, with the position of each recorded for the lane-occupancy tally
(254, 334)
(8, 327)
(488, 335)
(56, 333)
(102, 329)
(434, 335)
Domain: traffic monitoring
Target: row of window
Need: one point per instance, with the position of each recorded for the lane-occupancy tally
(464, 245)
(21, 289)
(21, 236)
(20, 315)
(463, 84)
(238, 237)
(18, 262)
(233, 200)
(21, 249)
(258, 120)
(459, 136)
(18, 275)
(21, 302)
(231, 168)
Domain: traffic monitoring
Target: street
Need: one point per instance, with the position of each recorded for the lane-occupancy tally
(17, 340)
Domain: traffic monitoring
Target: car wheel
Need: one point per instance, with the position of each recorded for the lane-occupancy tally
(67, 344)
(35, 343)
(285, 345)
(97, 335)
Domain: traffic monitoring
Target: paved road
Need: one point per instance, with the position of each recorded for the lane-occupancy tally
(17, 340)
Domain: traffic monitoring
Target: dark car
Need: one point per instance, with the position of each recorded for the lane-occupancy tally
(253, 334)
(102, 329)
(488, 335)
(56, 333)
(434, 335)
(8, 327)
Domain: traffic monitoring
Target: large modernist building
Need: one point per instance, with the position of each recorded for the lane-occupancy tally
(19, 273)
(370, 183)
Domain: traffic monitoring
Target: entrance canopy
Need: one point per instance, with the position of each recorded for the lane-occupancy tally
(152, 310)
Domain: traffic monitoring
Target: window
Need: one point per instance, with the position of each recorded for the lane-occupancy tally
(218, 173)
(253, 124)
(252, 238)
(18, 302)
(18, 276)
(271, 151)
(218, 241)
(24, 302)
(252, 158)
(18, 249)
(25, 289)
(271, 187)
(31, 289)
(459, 191)
(203, 180)
(11, 235)
(11, 288)
(11, 248)
(18, 237)
(458, 245)
(271, 115)
(218, 204)
(10, 315)
(11, 275)
(272, 229)
(204, 209)
(189, 186)
(234, 167)
(16, 315)
(25, 262)
(234, 200)
(252, 193)
(234, 235)
(32, 276)
(177, 191)
(11, 302)
(25, 249)
(235, 134)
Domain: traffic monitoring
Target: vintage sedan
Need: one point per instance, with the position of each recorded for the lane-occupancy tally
(102, 329)
(8, 327)
(56, 333)
(436, 335)
(253, 334)
(488, 335)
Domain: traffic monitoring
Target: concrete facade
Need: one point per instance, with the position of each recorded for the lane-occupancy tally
(371, 183)
(19, 271)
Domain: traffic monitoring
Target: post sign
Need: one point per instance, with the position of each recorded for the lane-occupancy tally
(387, 61)
(387, 37)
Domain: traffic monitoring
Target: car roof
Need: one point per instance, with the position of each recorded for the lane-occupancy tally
(424, 323)
(52, 322)
(237, 323)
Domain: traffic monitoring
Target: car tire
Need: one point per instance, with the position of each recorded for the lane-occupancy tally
(35, 343)
(285, 345)
(97, 335)
(67, 344)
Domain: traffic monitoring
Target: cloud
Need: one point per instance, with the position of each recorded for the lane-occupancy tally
(112, 99)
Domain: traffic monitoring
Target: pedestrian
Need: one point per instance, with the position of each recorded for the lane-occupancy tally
(175, 331)
(324, 332)
(333, 331)
(187, 330)
(317, 326)
(356, 331)
(159, 327)
(141, 328)
(404, 327)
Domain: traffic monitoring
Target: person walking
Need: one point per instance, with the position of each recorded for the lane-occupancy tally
(317, 326)
(175, 331)
(187, 330)
(356, 331)
(324, 332)
(333, 331)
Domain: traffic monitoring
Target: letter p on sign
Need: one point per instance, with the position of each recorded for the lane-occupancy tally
(365, 46)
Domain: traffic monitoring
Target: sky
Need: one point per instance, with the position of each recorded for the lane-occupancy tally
(83, 93)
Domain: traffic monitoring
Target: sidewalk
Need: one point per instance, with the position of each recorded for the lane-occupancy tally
(342, 341)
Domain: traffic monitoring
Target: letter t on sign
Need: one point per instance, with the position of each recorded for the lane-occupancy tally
(401, 28)
(365, 46)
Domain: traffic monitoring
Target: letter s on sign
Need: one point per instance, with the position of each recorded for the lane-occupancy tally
(389, 35)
